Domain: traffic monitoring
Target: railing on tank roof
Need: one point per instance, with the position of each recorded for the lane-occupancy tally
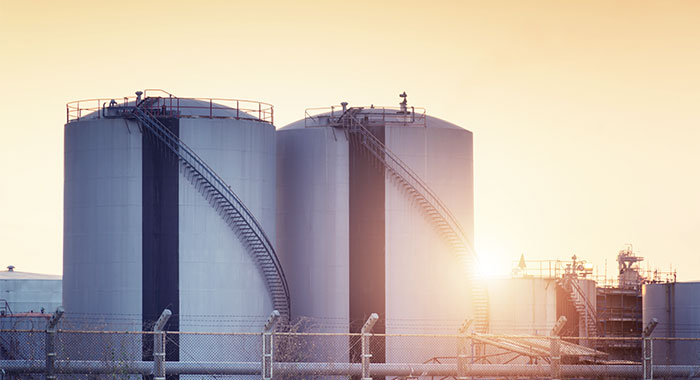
(167, 104)
(325, 116)
(549, 269)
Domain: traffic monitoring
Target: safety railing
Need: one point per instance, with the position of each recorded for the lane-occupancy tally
(590, 309)
(166, 104)
(395, 164)
(232, 206)
(326, 116)
(5, 308)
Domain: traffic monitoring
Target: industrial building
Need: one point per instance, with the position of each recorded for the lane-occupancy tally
(619, 305)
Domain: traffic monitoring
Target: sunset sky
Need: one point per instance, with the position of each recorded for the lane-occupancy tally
(586, 114)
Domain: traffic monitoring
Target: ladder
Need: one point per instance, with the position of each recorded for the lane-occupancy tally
(434, 209)
(222, 198)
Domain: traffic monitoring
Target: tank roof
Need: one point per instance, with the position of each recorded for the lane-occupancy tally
(162, 103)
(15, 275)
(380, 115)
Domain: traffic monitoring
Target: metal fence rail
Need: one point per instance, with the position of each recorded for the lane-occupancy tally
(272, 354)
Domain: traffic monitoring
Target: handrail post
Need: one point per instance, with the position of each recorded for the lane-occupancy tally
(268, 344)
(463, 363)
(366, 354)
(51, 343)
(159, 345)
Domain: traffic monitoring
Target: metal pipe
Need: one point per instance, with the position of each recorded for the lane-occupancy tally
(350, 369)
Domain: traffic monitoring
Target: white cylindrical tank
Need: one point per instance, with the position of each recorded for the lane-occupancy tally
(676, 306)
(525, 306)
(139, 237)
(354, 240)
(23, 292)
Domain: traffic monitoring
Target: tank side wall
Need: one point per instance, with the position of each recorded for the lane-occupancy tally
(522, 306)
(676, 306)
(160, 236)
(218, 276)
(313, 224)
(102, 223)
(425, 287)
(367, 243)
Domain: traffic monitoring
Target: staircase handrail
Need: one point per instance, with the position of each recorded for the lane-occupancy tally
(177, 146)
(6, 307)
(419, 184)
(590, 311)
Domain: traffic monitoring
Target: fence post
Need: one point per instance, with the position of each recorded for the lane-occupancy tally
(159, 345)
(556, 357)
(555, 347)
(366, 334)
(268, 344)
(51, 343)
(648, 350)
(463, 363)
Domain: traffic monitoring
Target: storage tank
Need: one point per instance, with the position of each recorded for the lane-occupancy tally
(356, 238)
(676, 306)
(169, 203)
(24, 292)
(525, 306)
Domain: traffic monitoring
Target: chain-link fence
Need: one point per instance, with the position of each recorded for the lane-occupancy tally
(287, 354)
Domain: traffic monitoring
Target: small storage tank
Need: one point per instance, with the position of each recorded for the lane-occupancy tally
(24, 292)
(532, 305)
(676, 306)
(144, 232)
(355, 239)
(524, 306)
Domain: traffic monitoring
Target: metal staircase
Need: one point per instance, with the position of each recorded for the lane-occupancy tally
(435, 210)
(223, 199)
(584, 308)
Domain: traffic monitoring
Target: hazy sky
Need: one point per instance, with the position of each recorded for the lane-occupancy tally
(585, 114)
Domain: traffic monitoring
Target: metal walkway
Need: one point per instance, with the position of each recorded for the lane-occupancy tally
(435, 210)
(223, 200)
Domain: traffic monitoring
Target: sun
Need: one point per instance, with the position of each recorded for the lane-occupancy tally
(487, 266)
